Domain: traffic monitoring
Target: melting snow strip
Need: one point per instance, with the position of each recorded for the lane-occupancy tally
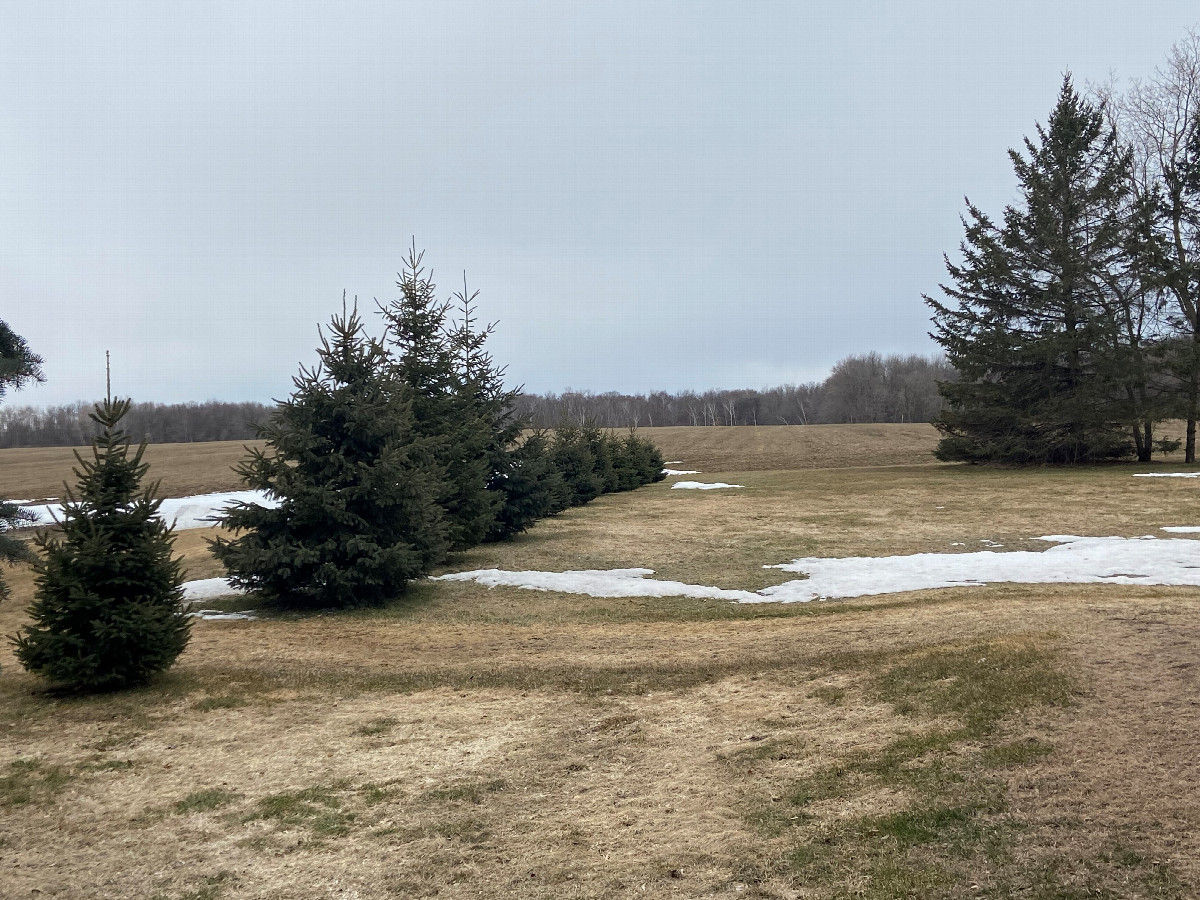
(185, 512)
(1166, 475)
(1075, 560)
(1182, 529)
(215, 615)
(702, 485)
(681, 471)
(597, 583)
(207, 588)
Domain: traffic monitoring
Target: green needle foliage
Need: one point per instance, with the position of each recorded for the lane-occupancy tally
(107, 612)
(457, 401)
(357, 487)
(1030, 330)
(18, 366)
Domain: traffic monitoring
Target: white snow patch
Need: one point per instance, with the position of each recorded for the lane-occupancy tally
(681, 471)
(597, 583)
(1166, 475)
(673, 462)
(1182, 529)
(215, 615)
(702, 485)
(207, 588)
(1076, 560)
(186, 512)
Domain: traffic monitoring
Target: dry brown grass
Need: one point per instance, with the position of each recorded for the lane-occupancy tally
(773, 447)
(468, 742)
(184, 469)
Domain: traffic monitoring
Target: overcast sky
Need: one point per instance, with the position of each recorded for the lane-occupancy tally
(649, 195)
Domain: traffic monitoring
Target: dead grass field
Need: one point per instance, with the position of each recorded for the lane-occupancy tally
(1008, 741)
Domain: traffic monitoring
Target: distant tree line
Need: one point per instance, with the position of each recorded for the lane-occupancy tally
(861, 388)
(71, 425)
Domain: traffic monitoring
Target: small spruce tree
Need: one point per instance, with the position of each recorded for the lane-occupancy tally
(531, 486)
(572, 455)
(107, 611)
(357, 517)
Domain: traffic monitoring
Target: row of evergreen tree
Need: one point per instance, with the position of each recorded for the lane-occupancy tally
(390, 453)
(393, 451)
(1074, 321)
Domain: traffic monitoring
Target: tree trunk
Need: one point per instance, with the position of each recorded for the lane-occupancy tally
(1139, 443)
(1189, 452)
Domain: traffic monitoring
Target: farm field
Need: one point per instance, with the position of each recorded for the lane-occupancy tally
(1001, 741)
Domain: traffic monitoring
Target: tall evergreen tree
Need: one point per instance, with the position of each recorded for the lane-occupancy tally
(455, 400)
(18, 366)
(356, 484)
(522, 484)
(107, 613)
(1027, 331)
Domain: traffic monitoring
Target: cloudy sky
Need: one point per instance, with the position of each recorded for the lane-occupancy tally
(649, 195)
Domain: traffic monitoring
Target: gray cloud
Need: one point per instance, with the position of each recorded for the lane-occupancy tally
(661, 195)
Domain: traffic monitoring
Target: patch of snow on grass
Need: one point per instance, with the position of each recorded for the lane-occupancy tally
(597, 583)
(1182, 529)
(215, 615)
(207, 588)
(186, 512)
(681, 471)
(1166, 475)
(702, 485)
(1076, 560)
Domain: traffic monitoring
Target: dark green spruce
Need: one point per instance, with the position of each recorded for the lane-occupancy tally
(1028, 320)
(356, 483)
(107, 613)
(450, 406)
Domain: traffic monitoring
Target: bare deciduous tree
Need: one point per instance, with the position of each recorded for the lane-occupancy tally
(1160, 117)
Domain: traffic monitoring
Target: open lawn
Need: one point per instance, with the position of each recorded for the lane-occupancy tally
(1003, 741)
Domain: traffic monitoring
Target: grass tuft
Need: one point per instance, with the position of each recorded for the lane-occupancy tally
(30, 781)
(204, 801)
(376, 727)
(317, 808)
